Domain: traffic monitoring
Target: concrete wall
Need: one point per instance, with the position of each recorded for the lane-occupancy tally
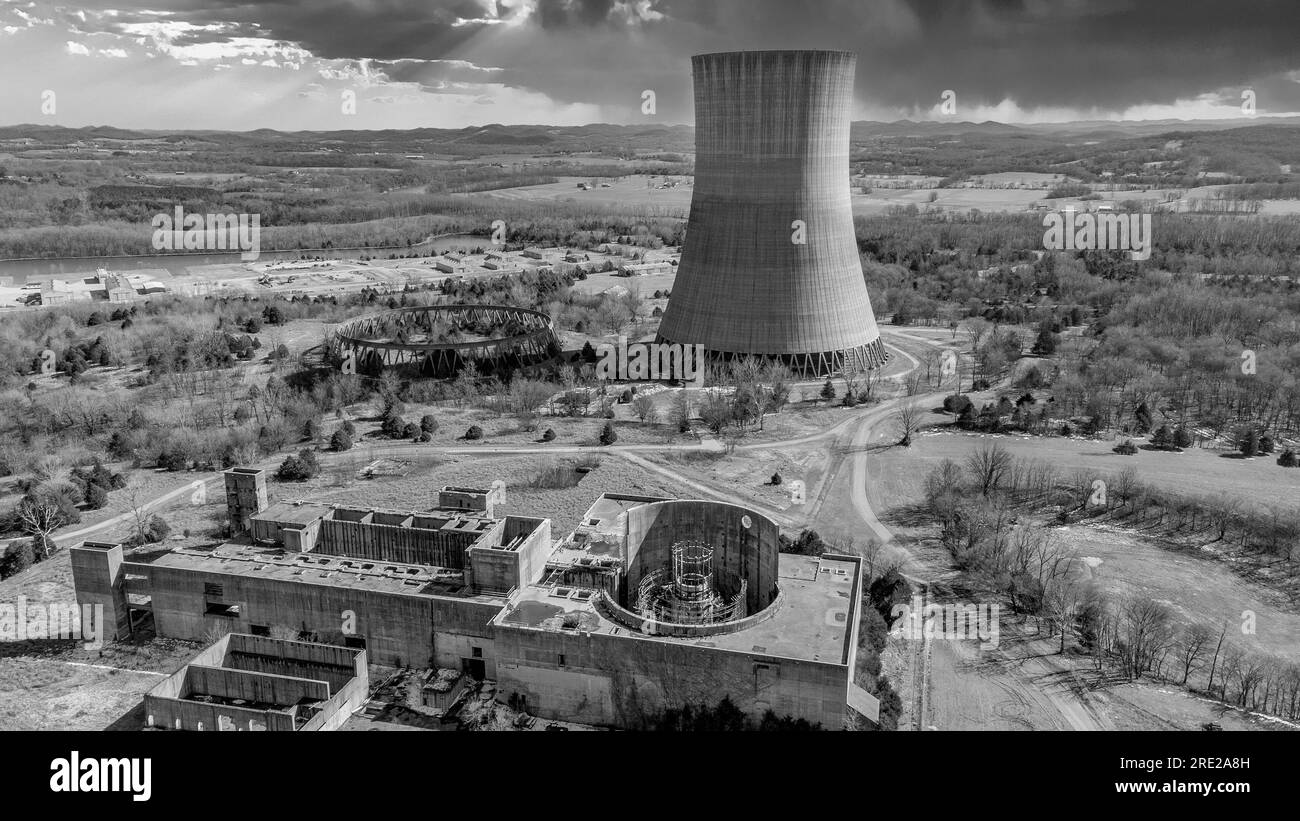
(329, 663)
(471, 499)
(388, 543)
(494, 570)
(97, 579)
(302, 539)
(398, 629)
(245, 495)
(604, 579)
(752, 553)
(536, 548)
(264, 688)
(336, 712)
(626, 681)
(236, 667)
(193, 714)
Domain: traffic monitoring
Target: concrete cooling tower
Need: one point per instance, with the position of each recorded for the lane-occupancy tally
(770, 265)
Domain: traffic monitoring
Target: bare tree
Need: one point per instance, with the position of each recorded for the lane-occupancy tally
(680, 415)
(1124, 485)
(1193, 644)
(1251, 671)
(907, 418)
(914, 382)
(1209, 685)
(988, 465)
(1233, 659)
(975, 328)
(1061, 599)
(633, 303)
(527, 395)
(39, 515)
(140, 516)
(853, 372)
(1147, 633)
(644, 407)
(716, 412)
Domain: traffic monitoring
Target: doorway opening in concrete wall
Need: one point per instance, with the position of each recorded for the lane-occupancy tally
(474, 668)
(140, 620)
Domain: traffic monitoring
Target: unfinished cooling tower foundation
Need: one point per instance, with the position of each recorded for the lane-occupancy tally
(770, 265)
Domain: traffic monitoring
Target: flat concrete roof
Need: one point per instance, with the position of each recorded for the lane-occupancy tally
(300, 513)
(812, 623)
(277, 564)
(304, 513)
(599, 527)
(611, 505)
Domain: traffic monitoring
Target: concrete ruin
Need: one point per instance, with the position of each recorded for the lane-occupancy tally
(649, 604)
(245, 682)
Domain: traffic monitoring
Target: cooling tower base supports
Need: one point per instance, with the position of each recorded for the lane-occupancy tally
(809, 365)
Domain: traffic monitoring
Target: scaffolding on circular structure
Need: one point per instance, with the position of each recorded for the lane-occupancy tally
(685, 593)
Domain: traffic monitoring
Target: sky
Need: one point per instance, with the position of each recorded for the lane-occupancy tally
(376, 64)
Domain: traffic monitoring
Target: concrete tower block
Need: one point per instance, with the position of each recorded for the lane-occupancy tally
(97, 578)
(770, 265)
(245, 496)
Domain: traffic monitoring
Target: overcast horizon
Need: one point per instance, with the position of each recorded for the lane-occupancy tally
(241, 66)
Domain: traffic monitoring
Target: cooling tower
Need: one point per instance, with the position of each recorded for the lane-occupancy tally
(772, 155)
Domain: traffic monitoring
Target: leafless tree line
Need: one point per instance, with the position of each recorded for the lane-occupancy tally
(983, 508)
(1139, 637)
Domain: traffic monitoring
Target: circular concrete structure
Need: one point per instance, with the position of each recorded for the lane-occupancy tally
(770, 266)
(744, 553)
(402, 340)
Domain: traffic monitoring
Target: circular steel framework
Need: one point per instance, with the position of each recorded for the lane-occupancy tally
(400, 340)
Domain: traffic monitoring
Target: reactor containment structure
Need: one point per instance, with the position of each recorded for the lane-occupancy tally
(770, 266)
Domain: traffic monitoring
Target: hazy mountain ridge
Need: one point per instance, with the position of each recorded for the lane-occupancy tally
(543, 134)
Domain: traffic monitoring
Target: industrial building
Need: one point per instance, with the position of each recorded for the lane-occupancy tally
(245, 682)
(60, 292)
(645, 269)
(116, 287)
(649, 604)
(770, 266)
(451, 265)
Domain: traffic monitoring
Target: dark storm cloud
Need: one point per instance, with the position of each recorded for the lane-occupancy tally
(1106, 53)
(436, 76)
(1078, 54)
(357, 29)
(558, 13)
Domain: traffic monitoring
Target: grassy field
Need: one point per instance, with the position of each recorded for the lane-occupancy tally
(627, 191)
(64, 685)
(1196, 588)
(1196, 472)
(974, 689)
(418, 489)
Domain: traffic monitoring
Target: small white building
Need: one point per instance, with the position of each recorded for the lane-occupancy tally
(645, 269)
(451, 265)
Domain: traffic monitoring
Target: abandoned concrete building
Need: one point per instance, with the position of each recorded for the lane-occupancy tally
(245, 682)
(649, 604)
